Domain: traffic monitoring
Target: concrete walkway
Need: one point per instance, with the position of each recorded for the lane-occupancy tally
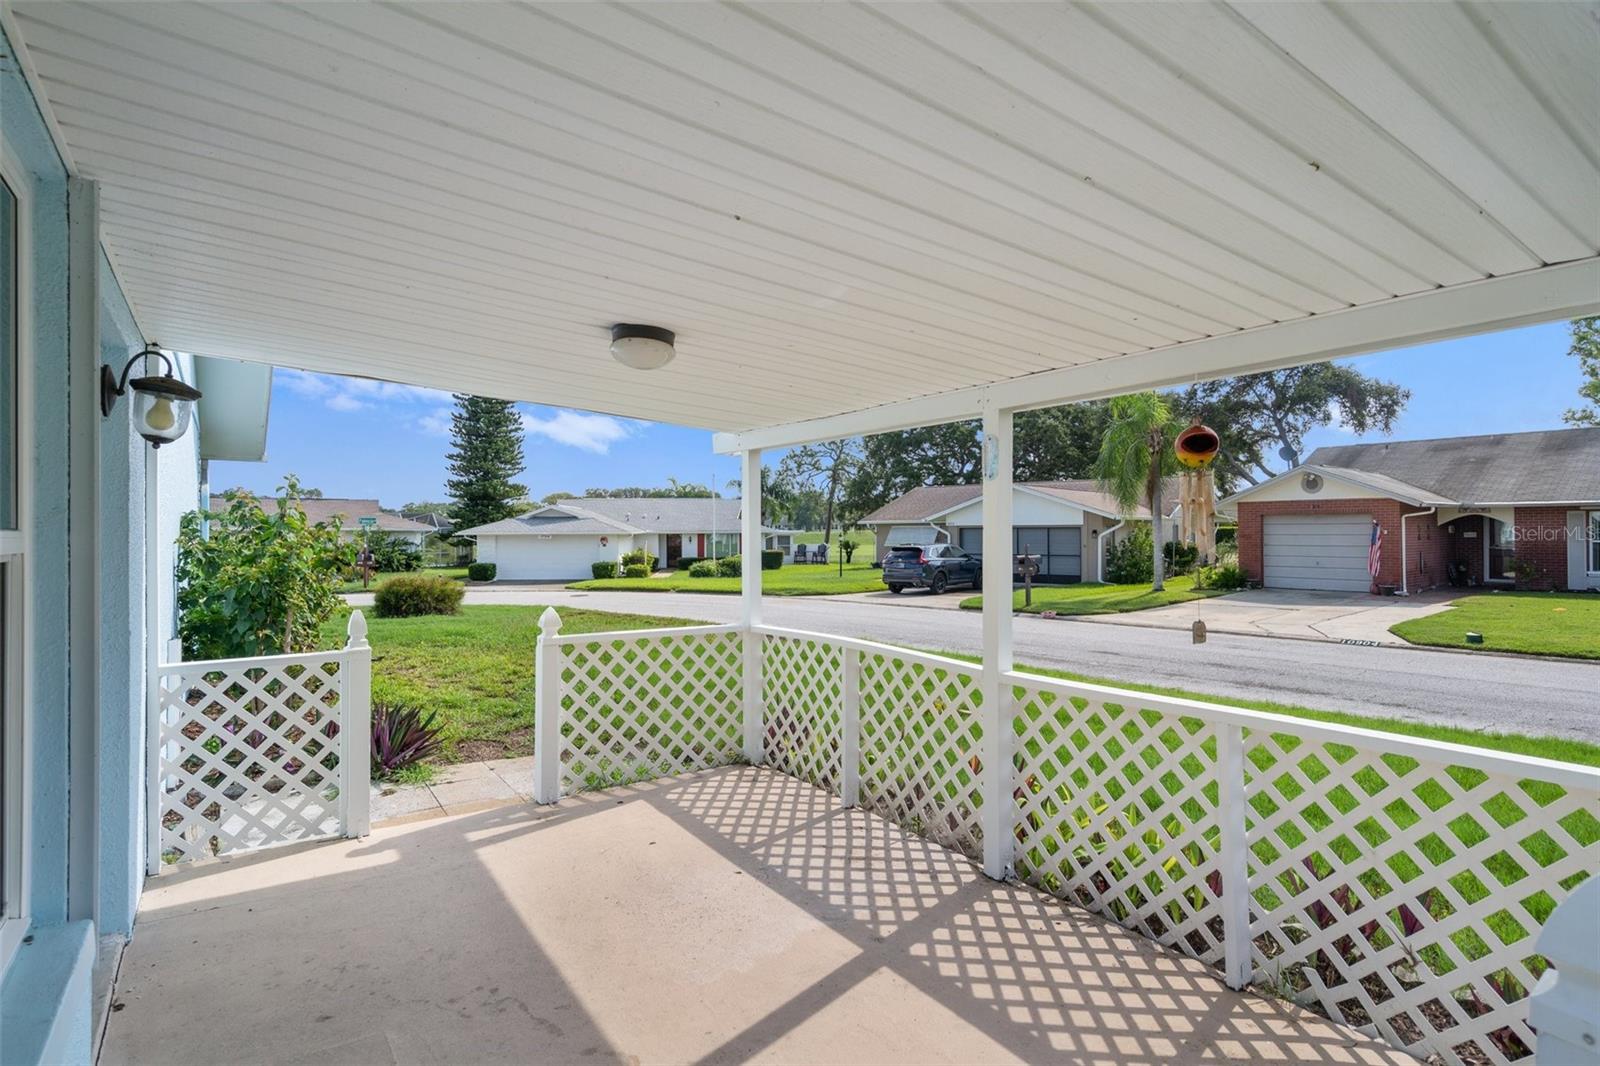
(1339, 616)
(736, 915)
(460, 788)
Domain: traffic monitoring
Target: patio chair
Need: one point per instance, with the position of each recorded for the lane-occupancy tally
(821, 554)
(799, 553)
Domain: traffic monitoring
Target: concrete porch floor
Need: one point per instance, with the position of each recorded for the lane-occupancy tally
(727, 916)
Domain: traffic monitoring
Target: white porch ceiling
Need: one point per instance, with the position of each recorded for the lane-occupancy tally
(837, 207)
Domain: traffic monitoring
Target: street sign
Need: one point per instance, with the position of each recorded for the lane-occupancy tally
(367, 522)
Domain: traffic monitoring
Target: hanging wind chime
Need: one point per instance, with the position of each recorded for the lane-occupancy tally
(1197, 449)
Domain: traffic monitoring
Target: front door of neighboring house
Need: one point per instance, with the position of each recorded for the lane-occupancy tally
(1498, 549)
(674, 549)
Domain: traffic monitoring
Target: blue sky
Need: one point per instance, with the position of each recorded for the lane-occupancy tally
(353, 437)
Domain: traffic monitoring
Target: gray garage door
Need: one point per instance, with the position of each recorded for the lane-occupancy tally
(1317, 552)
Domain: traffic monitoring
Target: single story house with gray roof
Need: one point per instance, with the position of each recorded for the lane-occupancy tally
(350, 513)
(1068, 524)
(562, 541)
(1498, 510)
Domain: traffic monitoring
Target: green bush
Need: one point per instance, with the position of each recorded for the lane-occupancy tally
(848, 546)
(636, 570)
(728, 566)
(410, 595)
(703, 568)
(481, 571)
(771, 558)
(1180, 557)
(639, 557)
(1128, 559)
(391, 555)
(1227, 537)
(1226, 576)
(686, 562)
(604, 570)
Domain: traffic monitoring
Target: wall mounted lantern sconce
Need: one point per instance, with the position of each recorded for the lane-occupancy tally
(161, 404)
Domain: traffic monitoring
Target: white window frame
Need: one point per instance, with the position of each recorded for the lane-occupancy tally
(16, 805)
(1591, 554)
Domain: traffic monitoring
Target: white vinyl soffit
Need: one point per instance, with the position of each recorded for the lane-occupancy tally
(855, 217)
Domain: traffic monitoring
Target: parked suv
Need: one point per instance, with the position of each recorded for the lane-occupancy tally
(935, 567)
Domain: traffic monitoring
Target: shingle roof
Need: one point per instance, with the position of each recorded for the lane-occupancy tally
(627, 514)
(927, 500)
(1547, 466)
(348, 511)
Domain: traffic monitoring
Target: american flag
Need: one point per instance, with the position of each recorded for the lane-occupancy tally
(1375, 549)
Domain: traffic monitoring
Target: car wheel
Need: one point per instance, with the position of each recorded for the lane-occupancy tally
(939, 583)
(897, 589)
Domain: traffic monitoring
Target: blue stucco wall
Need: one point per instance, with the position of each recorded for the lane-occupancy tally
(121, 727)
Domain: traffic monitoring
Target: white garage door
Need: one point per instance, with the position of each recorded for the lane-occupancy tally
(555, 558)
(1317, 552)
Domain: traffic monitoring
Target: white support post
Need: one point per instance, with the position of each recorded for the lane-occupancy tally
(155, 780)
(1234, 869)
(355, 712)
(1565, 1007)
(850, 725)
(998, 809)
(547, 710)
(750, 596)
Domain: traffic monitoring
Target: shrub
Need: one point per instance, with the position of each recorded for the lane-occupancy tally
(636, 570)
(728, 566)
(1227, 537)
(771, 558)
(1225, 576)
(1128, 559)
(703, 568)
(391, 555)
(415, 594)
(686, 562)
(402, 736)
(1180, 557)
(258, 583)
(481, 571)
(603, 570)
(639, 557)
(848, 546)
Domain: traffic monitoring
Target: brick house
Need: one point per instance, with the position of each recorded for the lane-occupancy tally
(1504, 509)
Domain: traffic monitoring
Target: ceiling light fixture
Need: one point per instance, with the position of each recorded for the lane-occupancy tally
(642, 347)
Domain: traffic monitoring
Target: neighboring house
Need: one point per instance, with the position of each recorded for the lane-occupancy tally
(1068, 523)
(1479, 506)
(349, 512)
(563, 540)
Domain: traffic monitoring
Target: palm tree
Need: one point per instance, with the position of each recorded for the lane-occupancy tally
(1134, 456)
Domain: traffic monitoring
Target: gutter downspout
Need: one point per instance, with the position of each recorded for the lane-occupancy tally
(1405, 572)
(1100, 549)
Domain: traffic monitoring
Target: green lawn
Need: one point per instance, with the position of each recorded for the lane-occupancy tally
(475, 668)
(1102, 599)
(455, 573)
(805, 579)
(1529, 623)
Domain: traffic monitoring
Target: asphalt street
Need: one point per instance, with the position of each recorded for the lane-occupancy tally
(1493, 693)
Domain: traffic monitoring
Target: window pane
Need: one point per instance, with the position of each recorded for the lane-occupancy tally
(1594, 542)
(8, 357)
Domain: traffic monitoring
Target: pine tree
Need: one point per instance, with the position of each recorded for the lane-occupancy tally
(485, 454)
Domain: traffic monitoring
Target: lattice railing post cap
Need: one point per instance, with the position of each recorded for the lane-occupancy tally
(356, 631)
(1565, 1007)
(550, 622)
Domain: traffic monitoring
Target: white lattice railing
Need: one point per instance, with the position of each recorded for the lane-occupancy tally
(1396, 884)
(253, 752)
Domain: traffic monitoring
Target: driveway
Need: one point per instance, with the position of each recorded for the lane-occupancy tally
(1340, 616)
(1498, 693)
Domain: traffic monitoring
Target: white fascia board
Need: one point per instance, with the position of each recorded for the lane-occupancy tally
(1544, 294)
(1344, 474)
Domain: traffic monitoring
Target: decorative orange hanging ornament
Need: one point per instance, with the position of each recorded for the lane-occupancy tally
(1197, 446)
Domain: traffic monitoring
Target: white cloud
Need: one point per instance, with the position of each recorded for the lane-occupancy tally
(592, 433)
(359, 394)
(435, 423)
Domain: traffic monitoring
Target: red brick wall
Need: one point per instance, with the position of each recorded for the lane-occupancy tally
(1541, 539)
(1426, 550)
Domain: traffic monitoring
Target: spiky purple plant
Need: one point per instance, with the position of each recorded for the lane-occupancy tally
(402, 735)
